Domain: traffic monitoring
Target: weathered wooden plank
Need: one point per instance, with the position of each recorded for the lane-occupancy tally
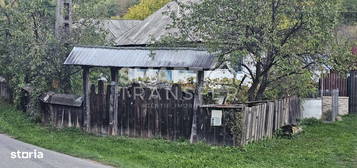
(157, 118)
(150, 114)
(264, 113)
(259, 109)
(86, 93)
(163, 113)
(261, 106)
(253, 123)
(101, 106)
(264, 123)
(244, 127)
(93, 110)
(197, 102)
(131, 113)
(145, 115)
(271, 119)
(249, 126)
(135, 109)
(126, 109)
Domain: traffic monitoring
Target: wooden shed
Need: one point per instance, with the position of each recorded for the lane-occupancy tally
(195, 59)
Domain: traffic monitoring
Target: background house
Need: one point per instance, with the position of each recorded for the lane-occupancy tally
(154, 27)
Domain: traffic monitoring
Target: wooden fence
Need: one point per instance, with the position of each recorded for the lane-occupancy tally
(226, 134)
(170, 116)
(62, 110)
(62, 116)
(245, 123)
(334, 80)
(142, 112)
(262, 120)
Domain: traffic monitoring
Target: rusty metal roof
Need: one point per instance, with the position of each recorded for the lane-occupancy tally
(142, 57)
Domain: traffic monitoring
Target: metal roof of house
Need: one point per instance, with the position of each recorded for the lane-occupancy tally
(117, 28)
(142, 57)
(152, 28)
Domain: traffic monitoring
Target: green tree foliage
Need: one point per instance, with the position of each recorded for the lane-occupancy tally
(96, 8)
(279, 39)
(124, 5)
(144, 9)
(31, 55)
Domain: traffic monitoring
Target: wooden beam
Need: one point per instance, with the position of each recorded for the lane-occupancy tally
(86, 94)
(113, 105)
(113, 109)
(114, 74)
(196, 105)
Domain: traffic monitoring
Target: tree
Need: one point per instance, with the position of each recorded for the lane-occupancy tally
(278, 39)
(30, 53)
(144, 9)
(125, 4)
(95, 9)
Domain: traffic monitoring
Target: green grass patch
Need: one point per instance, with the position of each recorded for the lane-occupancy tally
(320, 145)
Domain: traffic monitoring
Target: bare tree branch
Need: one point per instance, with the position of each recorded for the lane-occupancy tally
(249, 70)
(292, 73)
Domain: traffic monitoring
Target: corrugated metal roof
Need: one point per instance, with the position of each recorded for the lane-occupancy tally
(117, 28)
(142, 57)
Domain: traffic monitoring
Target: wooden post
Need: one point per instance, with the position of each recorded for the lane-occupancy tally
(334, 105)
(113, 105)
(114, 74)
(244, 125)
(86, 93)
(196, 105)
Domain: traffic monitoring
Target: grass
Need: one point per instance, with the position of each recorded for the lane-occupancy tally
(320, 145)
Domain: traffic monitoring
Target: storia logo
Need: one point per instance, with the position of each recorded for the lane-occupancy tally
(27, 155)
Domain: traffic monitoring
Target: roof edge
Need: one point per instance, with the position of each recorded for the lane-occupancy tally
(141, 48)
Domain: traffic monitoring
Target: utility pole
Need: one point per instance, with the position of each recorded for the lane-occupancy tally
(62, 32)
(63, 18)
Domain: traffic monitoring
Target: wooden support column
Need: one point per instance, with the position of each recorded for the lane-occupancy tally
(113, 104)
(196, 105)
(86, 93)
(114, 74)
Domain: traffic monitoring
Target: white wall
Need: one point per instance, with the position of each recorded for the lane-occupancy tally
(312, 108)
(183, 75)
